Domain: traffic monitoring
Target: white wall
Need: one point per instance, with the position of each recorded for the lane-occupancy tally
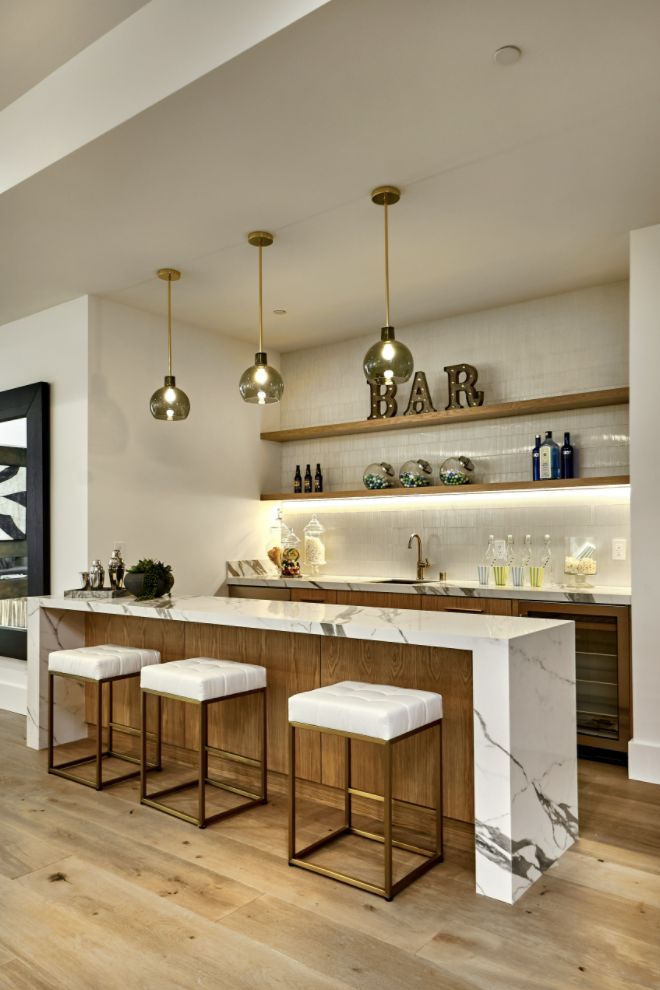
(644, 749)
(183, 492)
(565, 343)
(52, 347)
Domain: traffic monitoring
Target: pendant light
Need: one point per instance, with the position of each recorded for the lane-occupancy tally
(389, 360)
(260, 383)
(169, 403)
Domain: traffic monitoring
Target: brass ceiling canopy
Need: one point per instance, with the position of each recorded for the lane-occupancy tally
(260, 238)
(169, 274)
(385, 195)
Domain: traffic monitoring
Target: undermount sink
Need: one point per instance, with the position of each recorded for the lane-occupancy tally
(402, 581)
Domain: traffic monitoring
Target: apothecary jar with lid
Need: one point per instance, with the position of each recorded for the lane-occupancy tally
(379, 476)
(314, 546)
(416, 474)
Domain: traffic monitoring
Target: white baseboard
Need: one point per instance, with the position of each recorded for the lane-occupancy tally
(644, 761)
(13, 685)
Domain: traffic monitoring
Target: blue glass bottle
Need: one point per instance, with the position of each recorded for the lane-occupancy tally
(549, 459)
(567, 458)
(536, 459)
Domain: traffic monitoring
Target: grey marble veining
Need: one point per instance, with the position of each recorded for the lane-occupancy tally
(525, 760)
(265, 575)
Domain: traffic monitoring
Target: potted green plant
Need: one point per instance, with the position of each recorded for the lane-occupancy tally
(149, 579)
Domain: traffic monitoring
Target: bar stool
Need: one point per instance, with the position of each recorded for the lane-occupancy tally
(203, 681)
(373, 713)
(99, 665)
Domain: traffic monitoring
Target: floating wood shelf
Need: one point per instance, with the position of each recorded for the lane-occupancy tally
(500, 486)
(500, 410)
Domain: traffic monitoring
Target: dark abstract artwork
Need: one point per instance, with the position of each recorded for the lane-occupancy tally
(13, 500)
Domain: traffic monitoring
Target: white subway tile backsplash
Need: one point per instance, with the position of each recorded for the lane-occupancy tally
(573, 342)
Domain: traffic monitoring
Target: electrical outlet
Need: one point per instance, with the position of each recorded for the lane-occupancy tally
(619, 549)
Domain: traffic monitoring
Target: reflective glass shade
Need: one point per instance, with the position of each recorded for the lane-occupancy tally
(260, 383)
(169, 402)
(388, 361)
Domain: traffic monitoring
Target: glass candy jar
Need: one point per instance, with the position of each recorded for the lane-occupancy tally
(580, 562)
(416, 474)
(378, 476)
(290, 566)
(456, 471)
(314, 546)
(276, 534)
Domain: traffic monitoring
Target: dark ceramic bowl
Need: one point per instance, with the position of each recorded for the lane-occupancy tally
(135, 584)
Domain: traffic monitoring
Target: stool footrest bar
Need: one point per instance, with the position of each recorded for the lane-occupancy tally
(230, 787)
(342, 877)
(130, 731)
(406, 846)
(234, 757)
(365, 794)
(319, 843)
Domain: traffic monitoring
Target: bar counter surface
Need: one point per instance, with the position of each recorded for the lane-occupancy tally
(523, 701)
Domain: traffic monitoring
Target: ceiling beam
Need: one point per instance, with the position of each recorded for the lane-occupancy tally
(161, 48)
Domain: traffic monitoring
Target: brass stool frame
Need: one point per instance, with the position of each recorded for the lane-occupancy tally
(201, 820)
(389, 889)
(62, 769)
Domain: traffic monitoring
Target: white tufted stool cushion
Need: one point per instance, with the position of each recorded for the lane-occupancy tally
(375, 710)
(99, 662)
(203, 679)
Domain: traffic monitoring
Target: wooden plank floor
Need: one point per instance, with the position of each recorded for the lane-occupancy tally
(97, 892)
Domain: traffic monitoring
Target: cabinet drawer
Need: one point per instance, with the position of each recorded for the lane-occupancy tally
(379, 599)
(266, 594)
(471, 606)
(314, 595)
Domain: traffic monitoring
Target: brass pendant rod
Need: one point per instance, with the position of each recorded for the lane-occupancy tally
(387, 267)
(169, 325)
(261, 299)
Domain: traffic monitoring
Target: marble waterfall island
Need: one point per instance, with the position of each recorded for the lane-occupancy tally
(519, 718)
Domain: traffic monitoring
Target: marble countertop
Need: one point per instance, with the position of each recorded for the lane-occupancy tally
(450, 629)
(469, 589)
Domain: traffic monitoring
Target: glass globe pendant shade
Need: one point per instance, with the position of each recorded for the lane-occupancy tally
(388, 361)
(169, 403)
(260, 383)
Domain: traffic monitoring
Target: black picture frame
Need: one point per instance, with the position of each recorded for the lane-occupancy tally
(32, 403)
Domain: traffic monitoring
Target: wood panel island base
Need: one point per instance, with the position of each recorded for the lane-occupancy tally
(508, 686)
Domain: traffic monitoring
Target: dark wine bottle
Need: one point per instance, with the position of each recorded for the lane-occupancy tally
(567, 458)
(536, 459)
(307, 485)
(318, 479)
(549, 459)
(297, 481)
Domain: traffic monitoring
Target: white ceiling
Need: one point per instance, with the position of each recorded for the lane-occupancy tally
(37, 36)
(517, 182)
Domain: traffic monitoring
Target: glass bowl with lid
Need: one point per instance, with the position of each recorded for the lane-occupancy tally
(456, 471)
(379, 476)
(416, 474)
